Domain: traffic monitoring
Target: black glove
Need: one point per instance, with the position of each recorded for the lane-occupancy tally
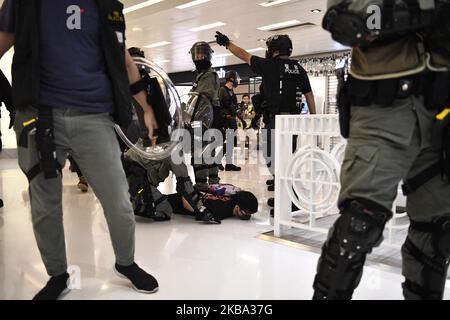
(12, 119)
(222, 40)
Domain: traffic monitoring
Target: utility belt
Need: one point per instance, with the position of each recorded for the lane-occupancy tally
(434, 87)
(45, 144)
(384, 92)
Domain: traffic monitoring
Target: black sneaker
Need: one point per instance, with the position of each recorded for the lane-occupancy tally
(55, 288)
(271, 202)
(270, 182)
(271, 188)
(1, 203)
(232, 167)
(142, 281)
(272, 213)
(221, 168)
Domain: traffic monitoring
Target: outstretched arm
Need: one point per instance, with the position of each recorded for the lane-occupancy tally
(240, 53)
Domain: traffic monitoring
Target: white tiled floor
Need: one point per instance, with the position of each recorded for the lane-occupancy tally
(191, 261)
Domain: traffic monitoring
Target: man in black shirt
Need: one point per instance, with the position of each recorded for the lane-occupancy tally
(284, 83)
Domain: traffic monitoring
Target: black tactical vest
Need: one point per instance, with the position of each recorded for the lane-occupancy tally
(26, 65)
(290, 98)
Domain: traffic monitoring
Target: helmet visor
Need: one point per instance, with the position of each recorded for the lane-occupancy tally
(201, 52)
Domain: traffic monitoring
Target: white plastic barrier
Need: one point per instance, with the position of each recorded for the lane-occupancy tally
(309, 177)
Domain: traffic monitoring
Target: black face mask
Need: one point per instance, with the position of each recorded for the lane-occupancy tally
(202, 65)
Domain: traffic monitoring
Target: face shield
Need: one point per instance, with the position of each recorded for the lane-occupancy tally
(201, 52)
(163, 97)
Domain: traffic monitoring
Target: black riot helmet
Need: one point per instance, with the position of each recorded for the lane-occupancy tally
(201, 51)
(233, 76)
(136, 52)
(281, 43)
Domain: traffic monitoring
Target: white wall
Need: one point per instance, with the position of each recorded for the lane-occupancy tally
(319, 86)
(8, 136)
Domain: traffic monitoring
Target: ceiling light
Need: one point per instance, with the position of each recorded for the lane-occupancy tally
(191, 4)
(279, 25)
(262, 40)
(158, 44)
(256, 50)
(141, 5)
(208, 26)
(273, 3)
(136, 29)
(316, 11)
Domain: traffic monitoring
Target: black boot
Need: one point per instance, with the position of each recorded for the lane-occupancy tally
(271, 202)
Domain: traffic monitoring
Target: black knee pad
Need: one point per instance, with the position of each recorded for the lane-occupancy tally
(189, 192)
(435, 268)
(356, 232)
(360, 227)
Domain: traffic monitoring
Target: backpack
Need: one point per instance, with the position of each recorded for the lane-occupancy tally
(223, 190)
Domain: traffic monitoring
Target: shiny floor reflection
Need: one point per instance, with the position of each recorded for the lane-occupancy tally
(190, 260)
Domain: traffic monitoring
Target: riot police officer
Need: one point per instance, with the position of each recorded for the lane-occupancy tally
(229, 106)
(284, 84)
(144, 175)
(207, 84)
(395, 97)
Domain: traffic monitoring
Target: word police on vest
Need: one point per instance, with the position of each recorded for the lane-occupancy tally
(290, 71)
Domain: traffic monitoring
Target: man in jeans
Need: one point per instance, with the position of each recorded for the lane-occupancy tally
(72, 71)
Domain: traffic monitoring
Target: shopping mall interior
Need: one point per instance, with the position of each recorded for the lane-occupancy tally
(271, 256)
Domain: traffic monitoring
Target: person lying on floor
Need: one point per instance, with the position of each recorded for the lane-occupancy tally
(221, 201)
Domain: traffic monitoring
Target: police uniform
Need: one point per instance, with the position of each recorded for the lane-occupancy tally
(391, 119)
(229, 106)
(284, 83)
(207, 83)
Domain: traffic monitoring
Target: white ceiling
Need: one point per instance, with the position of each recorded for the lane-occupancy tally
(163, 22)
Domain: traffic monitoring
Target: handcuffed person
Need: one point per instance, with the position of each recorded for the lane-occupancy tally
(223, 201)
